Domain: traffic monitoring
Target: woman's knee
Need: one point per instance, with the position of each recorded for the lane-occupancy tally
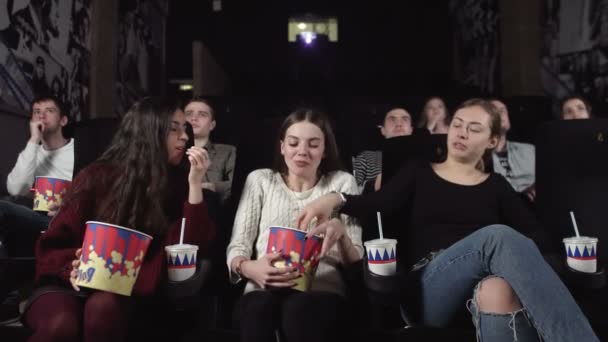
(503, 234)
(326, 311)
(61, 326)
(257, 315)
(259, 305)
(55, 317)
(495, 295)
(104, 310)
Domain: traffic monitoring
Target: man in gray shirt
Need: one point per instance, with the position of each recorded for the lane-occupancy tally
(515, 161)
(218, 178)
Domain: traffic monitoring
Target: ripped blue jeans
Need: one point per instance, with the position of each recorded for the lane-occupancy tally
(450, 280)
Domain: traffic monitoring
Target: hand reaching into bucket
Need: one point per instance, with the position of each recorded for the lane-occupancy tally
(74, 273)
(264, 274)
(53, 209)
(321, 208)
(334, 231)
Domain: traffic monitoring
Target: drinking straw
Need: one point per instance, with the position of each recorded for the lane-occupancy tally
(181, 234)
(574, 224)
(379, 225)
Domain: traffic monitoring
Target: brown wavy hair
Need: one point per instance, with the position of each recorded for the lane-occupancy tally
(135, 171)
(487, 107)
(331, 160)
(495, 127)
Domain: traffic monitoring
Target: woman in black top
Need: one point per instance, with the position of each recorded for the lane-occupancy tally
(466, 213)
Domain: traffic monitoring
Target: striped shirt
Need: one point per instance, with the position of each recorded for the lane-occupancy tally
(366, 166)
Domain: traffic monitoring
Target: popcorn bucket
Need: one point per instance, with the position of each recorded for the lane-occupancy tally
(111, 257)
(47, 190)
(303, 254)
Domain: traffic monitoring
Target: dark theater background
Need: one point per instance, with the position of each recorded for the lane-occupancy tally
(394, 48)
(256, 61)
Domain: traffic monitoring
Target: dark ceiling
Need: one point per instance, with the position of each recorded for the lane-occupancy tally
(384, 47)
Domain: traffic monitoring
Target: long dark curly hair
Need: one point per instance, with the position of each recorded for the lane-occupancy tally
(138, 173)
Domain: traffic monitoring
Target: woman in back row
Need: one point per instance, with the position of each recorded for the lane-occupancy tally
(458, 228)
(435, 116)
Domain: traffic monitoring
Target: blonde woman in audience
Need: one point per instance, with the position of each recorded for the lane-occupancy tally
(306, 167)
(458, 238)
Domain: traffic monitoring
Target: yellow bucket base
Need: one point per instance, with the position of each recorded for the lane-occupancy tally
(303, 283)
(102, 279)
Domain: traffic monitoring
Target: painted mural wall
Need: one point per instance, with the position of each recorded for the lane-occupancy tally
(476, 34)
(45, 49)
(575, 50)
(140, 52)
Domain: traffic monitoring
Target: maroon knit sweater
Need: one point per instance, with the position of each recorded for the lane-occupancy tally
(55, 249)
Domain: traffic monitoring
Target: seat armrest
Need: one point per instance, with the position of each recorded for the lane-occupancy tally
(576, 280)
(387, 285)
(182, 293)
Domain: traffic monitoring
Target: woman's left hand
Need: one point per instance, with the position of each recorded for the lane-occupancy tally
(199, 163)
(53, 209)
(74, 272)
(531, 192)
(333, 231)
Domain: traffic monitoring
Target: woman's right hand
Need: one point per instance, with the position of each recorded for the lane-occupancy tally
(265, 275)
(321, 208)
(53, 209)
(431, 125)
(74, 273)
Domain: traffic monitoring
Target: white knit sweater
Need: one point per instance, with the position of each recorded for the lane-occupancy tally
(267, 201)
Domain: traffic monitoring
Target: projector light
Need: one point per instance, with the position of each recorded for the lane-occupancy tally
(308, 37)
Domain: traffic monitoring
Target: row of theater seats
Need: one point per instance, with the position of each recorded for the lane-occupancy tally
(213, 305)
(255, 137)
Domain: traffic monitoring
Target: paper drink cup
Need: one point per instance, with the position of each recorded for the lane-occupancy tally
(581, 253)
(47, 190)
(181, 261)
(382, 256)
(111, 257)
(303, 254)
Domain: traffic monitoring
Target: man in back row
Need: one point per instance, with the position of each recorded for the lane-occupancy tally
(514, 160)
(218, 178)
(47, 153)
(367, 166)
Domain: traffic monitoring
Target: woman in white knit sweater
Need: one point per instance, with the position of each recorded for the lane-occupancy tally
(307, 166)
